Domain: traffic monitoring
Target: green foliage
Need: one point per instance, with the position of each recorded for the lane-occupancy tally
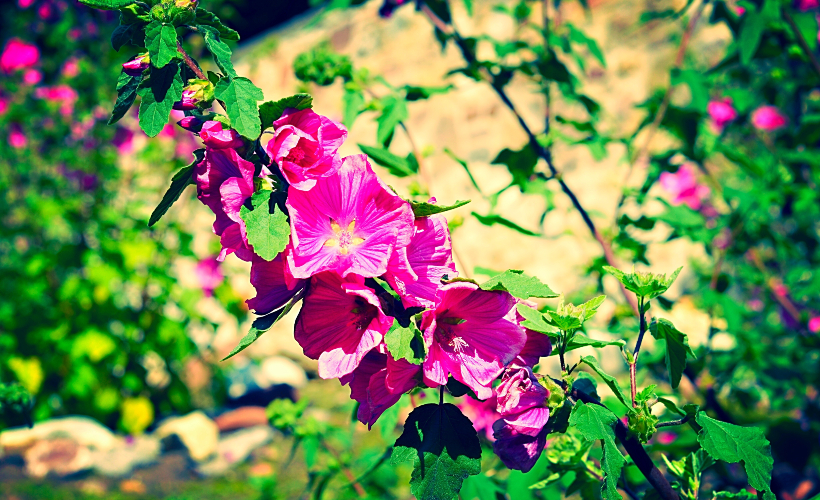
(219, 49)
(521, 164)
(127, 86)
(206, 18)
(569, 318)
(424, 209)
(492, 219)
(267, 226)
(688, 472)
(677, 348)
(579, 340)
(179, 182)
(609, 380)
(240, 96)
(261, 325)
(107, 4)
(519, 285)
(647, 285)
(158, 94)
(405, 342)
(396, 165)
(161, 42)
(322, 66)
(596, 422)
(271, 111)
(394, 111)
(15, 402)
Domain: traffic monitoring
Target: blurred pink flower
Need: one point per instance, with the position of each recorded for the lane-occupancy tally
(806, 5)
(209, 275)
(721, 112)
(44, 11)
(62, 94)
(814, 324)
(25, 4)
(684, 187)
(768, 118)
(18, 55)
(70, 68)
(32, 77)
(17, 139)
(123, 140)
(666, 437)
(74, 33)
(481, 413)
(4, 105)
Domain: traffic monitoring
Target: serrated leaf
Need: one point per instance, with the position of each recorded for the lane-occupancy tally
(733, 443)
(647, 285)
(352, 104)
(491, 219)
(158, 95)
(519, 285)
(240, 96)
(535, 321)
(444, 448)
(677, 347)
(579, 340)
(608, 380)
(271, 111)
(393, 113)
(266, 225)
(405, 342)
(124, 34)
(107, 4)
(207, 18)
(179, 182)
(127, 86)
(161, 42)
(596, 422)
(261, 325)
(396, 165)
(422, 209)
(219, 49)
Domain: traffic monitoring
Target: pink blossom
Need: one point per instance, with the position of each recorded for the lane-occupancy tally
(64, 95)
(481, 413)
(209, 275)
(666, 437)
(4, 105)
(471, 334)
(768, 118)
(807, 5)
(75, 34)
(814, 324)
(304, 146)
(213, 136)
(370, 384)
(18, 55)
(123, 140)
(350, 222)
(25, 4)
(520, 434)
(44, 11)
(340, 321)
(191, 124)
(187, 102)
(273, 283)
(415, 271)
(721, 112)
(17, 139)
(32, 77)
(684, 187)
(70, 69)
(224, 180)
(537, 346)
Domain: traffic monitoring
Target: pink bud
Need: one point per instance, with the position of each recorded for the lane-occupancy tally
(191, 124)
(188, 101)
(44, 11)
(768, 118)
(213, 136)
(25, 4)
(137, 65)
(32, 77)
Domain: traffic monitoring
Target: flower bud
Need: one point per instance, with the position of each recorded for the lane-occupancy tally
(213, 136)
(198, 94)
(137, 65)
(191, 124)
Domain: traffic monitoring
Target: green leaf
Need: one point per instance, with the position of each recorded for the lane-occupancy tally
(444, 448)
(608, 380)
(596, 422)
(807, 25)
(161, 42)
(535, 321)
(393, 112)
(178, 184)
(677, 347)
(261, 325)
(352, 105)
(219, 49)
(569, 317)
(405, 342)
(647, 285)
(490, 219)
(579, 37)
(107, 4)
(754, 23)
(125, 34)
(519, 285)
(415, 93)
(521, 164)
(127, 86)
(158, 94)
(240, 96)
(267, 226)
(733, 443)
(396, 165)
(204, 17)
(422, 209)
(579, 340)
(271, 111)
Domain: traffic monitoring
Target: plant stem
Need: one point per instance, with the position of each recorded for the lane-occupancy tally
(633, 365)
(672, 422)
(561, 349)
(802, 41)
(190, 62)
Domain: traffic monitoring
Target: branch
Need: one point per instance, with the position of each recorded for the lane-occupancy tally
(802, 41)
(672, 422)
(190, 62)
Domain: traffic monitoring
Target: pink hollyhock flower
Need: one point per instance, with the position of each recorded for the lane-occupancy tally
(273, 283)
(350, 222)
(814, 324)
(340, 321)
(209, 275)
(721, 112)
(471, 334)
(304, 146)
(481, 413)
(768, 118)
(64, 95)
(70, 69)
(213, 136)
(123, 140)
(224, 180)
(807, 5)
(370, 384)
(17, 139)
(684, 187)
(415, 271)
(18, 55)
(666, 437)
(520, 434)
(187, 102)
(32, 77)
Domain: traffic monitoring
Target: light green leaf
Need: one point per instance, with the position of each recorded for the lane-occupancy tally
(127, 86)
(422, 209)
(204, 17)
(396, 165)
(596, 422)
(271, 111)
(158, 95)
(352, 105)
(161, 42)
(219, 49)
(579, 340)
(240, 96)
(536, 322)
(677, 347)
(608, 380)
(490, 219)
(405, 342)
(394, 112)
(754, 23)
(519, 285)
(266, 225)
(647, 285)
(178, 184)
(107, 4)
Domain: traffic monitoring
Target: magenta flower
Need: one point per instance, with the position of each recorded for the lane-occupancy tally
(32, 77)
(768, 118)
(684, 187)
(721, 112)
(340, 321)
(25, 4)
(807, 5)
(415, 271)
(370, 384)
(4, 104)
(209, 275)
(70, 69)
(471, 334)
(520, 434)
(224, 180)
(814, 324)
(123, 140)
(273, 283)
(18, 54)
(17, 139)
(304, 146)
(188, 101)
(213, 136)
(481, 413)
(63, 95)
(191, 124)
(137, 65)
(350, 222)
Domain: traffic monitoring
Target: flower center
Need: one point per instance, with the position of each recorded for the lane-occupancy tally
(295, 155)
(365, 313)
(344, 238)
(445, 335)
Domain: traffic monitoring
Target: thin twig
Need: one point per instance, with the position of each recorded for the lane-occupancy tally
(190, 62)
(802, 41)
(672, 422)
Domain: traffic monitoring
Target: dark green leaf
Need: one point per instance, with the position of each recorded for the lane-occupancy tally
(608, 380)
(161, 42)
(127, 86)
(490, 219)
(178, 184)
(240, 96)
(271, 111)
(107, 4)
(521, 164)
(125, 34)
(444, 448)
(261, 325)
(596, 422)
(579, 340)
(393, 112)
(219, 49)
(405, 342)
(414, 93)
(204, 17)
(677, 347)
(422, 209)
(266, 225)
(398, 166)
(158, 94)
(519, 285)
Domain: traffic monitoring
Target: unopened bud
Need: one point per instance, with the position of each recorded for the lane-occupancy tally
(191, 124)
(213, 136)
(198, 94)
(137, 65)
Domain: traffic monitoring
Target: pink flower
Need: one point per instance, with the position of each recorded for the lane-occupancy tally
(350, 222)
(191, 124)
(471, 334)
(768, 118)
(70, 69)
(224, 180)
(481, 413)
(137, 65)
(814, 324)
(538, 346)
(32, 77)
(721, 112)
(520, 434)
(187, 102)
(340, 321)
(684, 187)
(378, 383)
(807, 5)
(123, 140)
(44, 11)
(305, 145)
(4, 105)
(25, 4)
(18, 55)
(17, 139)
(273, 283)
(209, 275)
(64, 95)
(415, 271)
(213, 136)
(666, 437)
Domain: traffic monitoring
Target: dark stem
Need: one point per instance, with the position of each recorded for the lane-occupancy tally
(561, 349)
(802, 41)
(633, 365)
(672, 423)
(440, 395)
(190, 62)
